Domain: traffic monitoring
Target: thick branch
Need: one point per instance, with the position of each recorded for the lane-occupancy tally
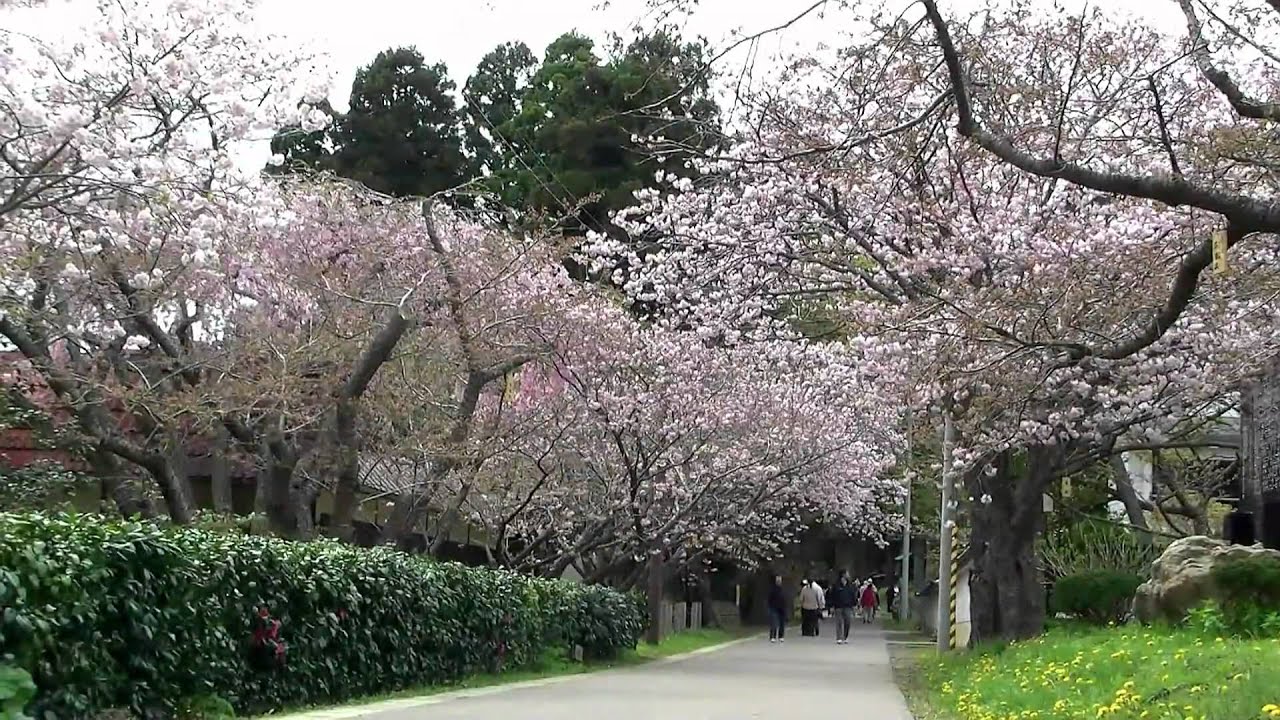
(376, 354)
(1129, 498)
(1181, 292)
(1174, 191)
(1243, 104)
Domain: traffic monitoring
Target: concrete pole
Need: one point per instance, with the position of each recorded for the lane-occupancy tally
(945, 535)
(904, 577)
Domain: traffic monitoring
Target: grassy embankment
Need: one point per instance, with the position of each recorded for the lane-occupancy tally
(1113, 673)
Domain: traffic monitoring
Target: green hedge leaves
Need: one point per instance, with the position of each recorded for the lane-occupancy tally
(1097, 596)
(118, 614)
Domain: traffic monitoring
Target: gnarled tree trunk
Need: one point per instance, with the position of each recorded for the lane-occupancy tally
(1007, 599)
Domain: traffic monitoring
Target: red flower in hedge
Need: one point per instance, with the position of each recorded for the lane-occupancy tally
(266, 649)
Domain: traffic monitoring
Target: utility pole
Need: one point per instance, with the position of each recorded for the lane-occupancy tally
(946, 536)
(904, 577)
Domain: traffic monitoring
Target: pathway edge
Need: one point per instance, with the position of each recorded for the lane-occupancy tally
(356, 711)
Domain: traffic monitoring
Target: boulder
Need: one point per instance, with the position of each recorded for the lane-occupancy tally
(1182, 577)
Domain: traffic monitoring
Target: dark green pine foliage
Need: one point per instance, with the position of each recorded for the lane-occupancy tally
(302, 151)
(401, 134)
(492, 97)
(570, 148)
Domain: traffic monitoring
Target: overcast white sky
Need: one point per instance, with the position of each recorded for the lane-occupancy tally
(460, 32)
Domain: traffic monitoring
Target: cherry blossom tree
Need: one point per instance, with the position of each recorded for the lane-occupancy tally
(1050, 319)
(116, 169)
(637, 441)
(160, 293)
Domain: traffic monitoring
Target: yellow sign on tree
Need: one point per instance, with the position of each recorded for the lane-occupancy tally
(1220, 252)
(511, 386)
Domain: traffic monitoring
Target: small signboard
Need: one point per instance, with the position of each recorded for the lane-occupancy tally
(1220, 252)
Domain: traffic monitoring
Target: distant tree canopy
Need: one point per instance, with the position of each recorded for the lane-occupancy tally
(492, 97)
(579, 147)
(563, 141)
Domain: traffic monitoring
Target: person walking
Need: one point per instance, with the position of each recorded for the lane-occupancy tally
(869, 601)
(777, 612)
(891, 598)
(843, 599)
(810, 607)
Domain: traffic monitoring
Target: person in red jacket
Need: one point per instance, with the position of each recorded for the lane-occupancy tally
(870, 599)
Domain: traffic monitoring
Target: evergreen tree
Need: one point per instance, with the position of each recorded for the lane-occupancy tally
(492, 97)
(300, 150)
(401, 134)
(578, 147)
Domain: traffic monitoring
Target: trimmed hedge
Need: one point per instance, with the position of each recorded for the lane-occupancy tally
(1249, 591)
(1097, 596)
(129, 615)
(1249, 581)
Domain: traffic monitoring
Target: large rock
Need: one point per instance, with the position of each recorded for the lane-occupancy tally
(1182, 577)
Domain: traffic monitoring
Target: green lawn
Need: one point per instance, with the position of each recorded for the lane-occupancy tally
(558, 666)
(685, 642)
(1116, 673)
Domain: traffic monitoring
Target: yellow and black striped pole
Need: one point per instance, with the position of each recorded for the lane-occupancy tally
(954, 591)
(946, 614)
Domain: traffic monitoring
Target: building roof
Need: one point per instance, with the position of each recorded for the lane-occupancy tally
(393, 476)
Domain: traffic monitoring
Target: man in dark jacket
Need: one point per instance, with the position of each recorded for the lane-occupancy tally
(843, 598)
(777, 612)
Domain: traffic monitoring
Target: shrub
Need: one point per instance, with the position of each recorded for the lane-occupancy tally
(1097, 596)
(207, 707)
(592, 620)
(16, 691)
(1092, 545)
(1249, 599)
(107, 615)
(1249, 581)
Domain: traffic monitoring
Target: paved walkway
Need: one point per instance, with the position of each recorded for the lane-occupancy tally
(803, 677)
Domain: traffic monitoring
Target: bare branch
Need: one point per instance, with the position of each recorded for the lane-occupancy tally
(1244, 105)
(1244, 211)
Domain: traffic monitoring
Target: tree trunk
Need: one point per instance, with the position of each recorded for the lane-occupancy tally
(408, 512)
(287, 498)
(1007, 599)
(709, 616)
(171, 475)
(279, 506)
(220, 475)
(654, 595)
(1129, 498)
(261, 525)
(448, 519)
(345, 442)
(129, 502)
(347, 488)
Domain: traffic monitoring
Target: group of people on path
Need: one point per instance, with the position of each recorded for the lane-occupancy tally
(840, 601)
